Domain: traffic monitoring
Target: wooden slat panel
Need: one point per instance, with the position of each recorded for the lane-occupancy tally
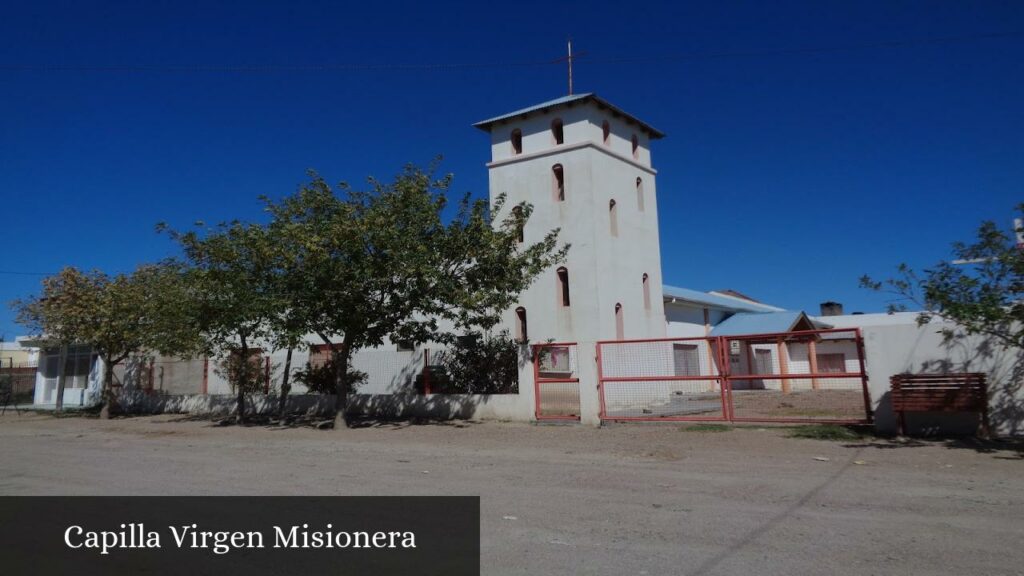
(962, 392)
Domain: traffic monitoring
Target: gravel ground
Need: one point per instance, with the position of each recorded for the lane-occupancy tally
(574, 500)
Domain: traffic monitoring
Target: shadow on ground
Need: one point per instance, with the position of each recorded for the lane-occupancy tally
(1010, 449)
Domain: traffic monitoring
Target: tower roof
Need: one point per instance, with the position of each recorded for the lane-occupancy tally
(566, 101)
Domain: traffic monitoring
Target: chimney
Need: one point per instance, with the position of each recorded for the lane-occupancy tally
(831, 309)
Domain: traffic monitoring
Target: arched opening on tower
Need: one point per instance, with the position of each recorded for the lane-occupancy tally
(557, 133)
(613, 219)
(522, 335)
(563, 286)
(558, 182)
(517, 214)
(647, 292)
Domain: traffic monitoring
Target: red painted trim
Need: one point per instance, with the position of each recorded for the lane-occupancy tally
(548, 344)
(864, 377)
(812, 360)
(795, 376)
(726, 382)
(718, 350)
(614, 379)
(666, 419)
(641, 340)
(536, 383)
(602, 411)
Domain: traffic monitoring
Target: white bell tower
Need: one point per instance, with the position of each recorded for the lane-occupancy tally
(585, 166)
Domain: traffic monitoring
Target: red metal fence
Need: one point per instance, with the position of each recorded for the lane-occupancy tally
(17, 381)
(809, 376)
(556, 381)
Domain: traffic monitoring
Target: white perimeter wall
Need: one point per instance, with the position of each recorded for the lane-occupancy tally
(896, 349)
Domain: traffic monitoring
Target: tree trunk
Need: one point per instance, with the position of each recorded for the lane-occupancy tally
(107, 394)
(61, 378)
(285, 386)
(340, 359)
(243, 381)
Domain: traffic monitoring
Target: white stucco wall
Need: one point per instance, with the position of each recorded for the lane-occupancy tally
(896, 348)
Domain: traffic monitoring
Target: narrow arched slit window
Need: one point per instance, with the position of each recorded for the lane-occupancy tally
(556, 131)
(517, 213)
(563, 286)
(521, 332)
(613, 218)
(517, 141)
(620, 333)
(558, 182)
(606, 132)
(636, 146)
(640, 194)
(647, 292)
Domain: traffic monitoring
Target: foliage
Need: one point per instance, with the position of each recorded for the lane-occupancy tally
(363, 266)
(482, 364)
(250, 374)
(116, 315)
(982, 294)
(320, 379)
(231, 276)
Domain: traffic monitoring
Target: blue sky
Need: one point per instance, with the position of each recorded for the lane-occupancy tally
(786, 173)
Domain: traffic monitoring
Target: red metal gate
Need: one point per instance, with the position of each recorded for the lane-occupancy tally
(809, 376)
(556, 381)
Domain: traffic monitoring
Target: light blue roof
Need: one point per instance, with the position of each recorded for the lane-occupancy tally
(652, 131)
(714, 300)
(758, 323)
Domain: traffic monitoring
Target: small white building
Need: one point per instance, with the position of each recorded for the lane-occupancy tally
(83, 377)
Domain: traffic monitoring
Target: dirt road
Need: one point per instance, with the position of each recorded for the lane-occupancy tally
(570, 500)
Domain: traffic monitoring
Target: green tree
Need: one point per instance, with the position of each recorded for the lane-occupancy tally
(230, 272)
(980, 291)
(116, 315)
(385, 262)
(483, 364)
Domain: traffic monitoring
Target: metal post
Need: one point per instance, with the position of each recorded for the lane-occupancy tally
(812, 358)
(426, 372)
(780, 345)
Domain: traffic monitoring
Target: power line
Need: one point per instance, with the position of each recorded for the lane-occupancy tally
(360, 67)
